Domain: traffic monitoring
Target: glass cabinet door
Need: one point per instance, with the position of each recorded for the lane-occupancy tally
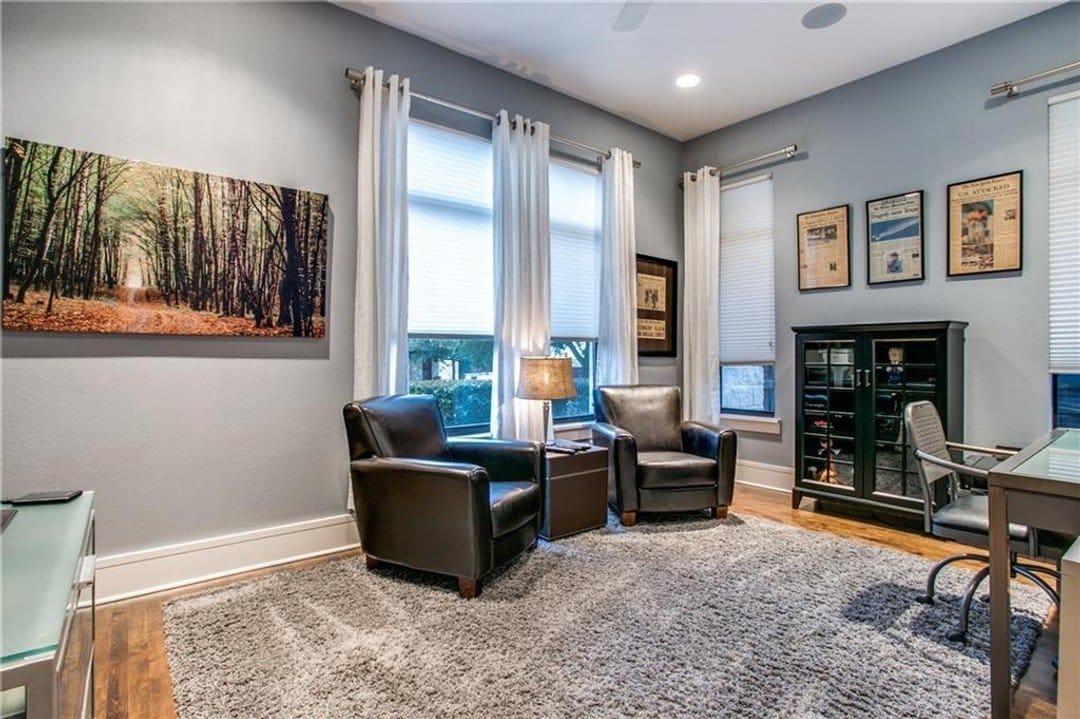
(904, 371)
(828, 401)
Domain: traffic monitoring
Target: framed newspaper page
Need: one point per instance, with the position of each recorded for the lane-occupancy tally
(894, 238)
(985, 228)
(824, 238)
(657, 283)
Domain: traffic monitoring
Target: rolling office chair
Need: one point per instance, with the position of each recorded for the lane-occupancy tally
(965, 516)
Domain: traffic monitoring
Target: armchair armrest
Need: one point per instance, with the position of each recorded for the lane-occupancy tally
(424, 514)
(504, 460)
(716, 443)
(622, 463)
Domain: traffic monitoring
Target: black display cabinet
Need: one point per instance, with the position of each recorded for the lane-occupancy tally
(851, 385)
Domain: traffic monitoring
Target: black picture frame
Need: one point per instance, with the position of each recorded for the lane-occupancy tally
(847, 239)
(922, 239)
(669, 271)
(1019, 268)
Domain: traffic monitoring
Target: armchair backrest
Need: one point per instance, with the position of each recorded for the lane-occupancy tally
(403, 425)
(651, 413)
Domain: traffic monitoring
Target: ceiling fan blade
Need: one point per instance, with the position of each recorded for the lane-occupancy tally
(632, 15)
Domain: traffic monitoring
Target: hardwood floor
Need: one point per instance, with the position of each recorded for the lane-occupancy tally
(132, 674)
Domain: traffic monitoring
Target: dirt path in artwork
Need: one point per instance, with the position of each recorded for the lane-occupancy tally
(141, 315)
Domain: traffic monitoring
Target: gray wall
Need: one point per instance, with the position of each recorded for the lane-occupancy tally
(186, 437)
(923, 124)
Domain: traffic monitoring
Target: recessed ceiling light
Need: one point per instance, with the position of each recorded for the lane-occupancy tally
(687, 80)
(822, 16)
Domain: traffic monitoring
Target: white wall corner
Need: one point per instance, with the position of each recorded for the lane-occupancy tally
(764, 476)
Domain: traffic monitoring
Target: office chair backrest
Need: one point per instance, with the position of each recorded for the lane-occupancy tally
(924, 432)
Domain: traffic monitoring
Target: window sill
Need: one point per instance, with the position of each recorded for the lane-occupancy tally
(559, 428)
(751, 423)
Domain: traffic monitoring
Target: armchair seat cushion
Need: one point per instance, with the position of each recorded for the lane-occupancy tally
(513, 504)
(971, 513)
(674, 470)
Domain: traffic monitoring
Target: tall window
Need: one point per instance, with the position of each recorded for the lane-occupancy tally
(747, 299)
(575, 199)
(451, 274)
(1064, 189)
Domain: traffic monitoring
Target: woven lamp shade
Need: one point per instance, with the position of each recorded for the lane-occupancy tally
(546, 378)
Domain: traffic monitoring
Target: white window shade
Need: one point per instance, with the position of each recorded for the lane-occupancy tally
(1064, 203)
(451, 252)
(575, 244)
(747, 299)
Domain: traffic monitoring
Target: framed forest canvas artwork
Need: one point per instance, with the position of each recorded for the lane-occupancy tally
(94, 243)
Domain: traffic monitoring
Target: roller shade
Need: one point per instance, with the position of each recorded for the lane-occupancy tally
(575, 246)
(747, 299)
(451, 252)
(1064, 203)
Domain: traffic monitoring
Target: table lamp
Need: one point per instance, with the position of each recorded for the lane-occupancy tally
(545, 378)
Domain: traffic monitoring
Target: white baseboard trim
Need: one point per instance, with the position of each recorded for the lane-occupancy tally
(133, 574)
(764, 476)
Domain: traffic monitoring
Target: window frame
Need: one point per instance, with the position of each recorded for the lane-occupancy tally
(1055, 398)
(461, 429)
(591, 416)
(769, 390)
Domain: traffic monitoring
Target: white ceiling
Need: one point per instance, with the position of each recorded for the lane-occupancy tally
(752, 57)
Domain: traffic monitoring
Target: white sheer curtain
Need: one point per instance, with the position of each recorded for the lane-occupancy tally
(701, 287)
(522, 269)
(617, 356)
(382, 263)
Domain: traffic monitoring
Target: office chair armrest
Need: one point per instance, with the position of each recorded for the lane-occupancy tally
(952, 466)
(975, 449)
(505, 460)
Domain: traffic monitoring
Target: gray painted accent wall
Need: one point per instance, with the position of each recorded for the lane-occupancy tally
(923, 125)
(186, 438)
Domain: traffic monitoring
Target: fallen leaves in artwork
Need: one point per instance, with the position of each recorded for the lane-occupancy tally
(136, 317)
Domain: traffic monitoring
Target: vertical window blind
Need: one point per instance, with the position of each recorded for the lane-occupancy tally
(1064, 203)
(747, 299)
(451, 250)
(575, 246)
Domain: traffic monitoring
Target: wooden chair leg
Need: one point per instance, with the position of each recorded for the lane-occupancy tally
(468, 588)
(719, 512)
(370, 561)
(628, 519)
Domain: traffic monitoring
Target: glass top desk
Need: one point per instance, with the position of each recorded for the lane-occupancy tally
(46, 608)
(1039, 487)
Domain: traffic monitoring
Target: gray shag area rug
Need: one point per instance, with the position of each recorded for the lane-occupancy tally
(689, 617)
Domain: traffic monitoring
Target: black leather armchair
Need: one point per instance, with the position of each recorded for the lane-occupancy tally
(460, 507)
(658, 463)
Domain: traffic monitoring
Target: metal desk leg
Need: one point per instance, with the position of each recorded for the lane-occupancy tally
(1000, 646)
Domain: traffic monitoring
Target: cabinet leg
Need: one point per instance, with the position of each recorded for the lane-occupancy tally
(468, 588)
(796, 498)
(370, 561)
(719, 512)
(628, 519)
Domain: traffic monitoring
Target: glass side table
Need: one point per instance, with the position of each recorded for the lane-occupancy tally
(47, 611)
